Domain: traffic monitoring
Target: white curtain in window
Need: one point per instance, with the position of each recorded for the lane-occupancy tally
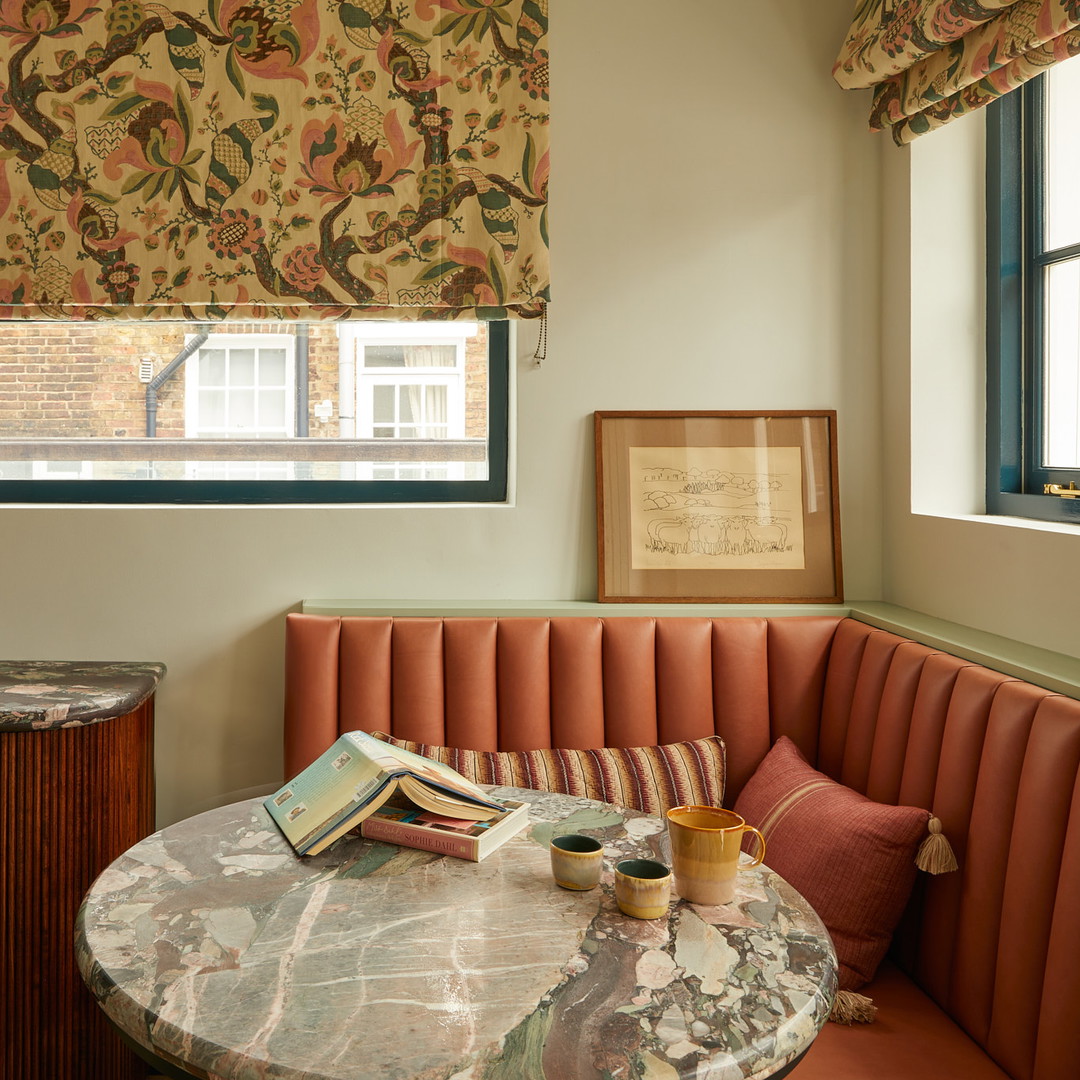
(429, 403)
(437, 413)
(430, 355)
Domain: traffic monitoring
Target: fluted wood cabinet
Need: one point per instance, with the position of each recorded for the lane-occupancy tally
(76, 791)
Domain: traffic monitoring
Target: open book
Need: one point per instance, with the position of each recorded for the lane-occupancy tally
(352, 779)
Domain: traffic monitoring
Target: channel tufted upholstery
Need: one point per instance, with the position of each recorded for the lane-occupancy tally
(987, 960)
(525, 684)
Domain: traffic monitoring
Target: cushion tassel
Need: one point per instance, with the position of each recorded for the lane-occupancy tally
(935, 854)
(852, 1008)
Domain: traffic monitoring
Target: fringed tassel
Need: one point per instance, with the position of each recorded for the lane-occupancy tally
(852, 1008)
(935, 854)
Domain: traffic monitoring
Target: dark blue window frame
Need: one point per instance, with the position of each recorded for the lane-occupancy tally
(1016, 260)
(261, 492)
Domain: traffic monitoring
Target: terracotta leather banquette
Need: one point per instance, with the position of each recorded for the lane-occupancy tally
(984, 974)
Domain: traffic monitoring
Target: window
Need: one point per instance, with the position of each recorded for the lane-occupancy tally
(412, 385)
(1033, 294)
(241, 387)
(328, 412)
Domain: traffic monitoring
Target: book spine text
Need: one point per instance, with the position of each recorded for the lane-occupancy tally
(461, 847)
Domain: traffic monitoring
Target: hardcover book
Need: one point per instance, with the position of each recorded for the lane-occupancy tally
(352, 779)
(417, 828)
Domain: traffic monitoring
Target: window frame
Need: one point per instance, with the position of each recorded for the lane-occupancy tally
(368, 376)
(451, 381)
(226, 343)
(304, 491)
(1015, 262)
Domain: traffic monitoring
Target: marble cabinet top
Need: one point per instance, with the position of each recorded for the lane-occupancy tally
(39, 694)
(213, 945)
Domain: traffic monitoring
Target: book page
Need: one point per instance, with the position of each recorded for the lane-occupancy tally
(426, 793)
(397, 760)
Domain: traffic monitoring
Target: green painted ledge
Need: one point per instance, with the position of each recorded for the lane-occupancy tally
(548, 608)
(1055, 671)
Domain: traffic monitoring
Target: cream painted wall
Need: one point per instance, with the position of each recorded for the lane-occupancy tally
(715, 244)
(941, 556)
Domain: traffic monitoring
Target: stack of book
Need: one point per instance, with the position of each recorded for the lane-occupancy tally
(411, 826)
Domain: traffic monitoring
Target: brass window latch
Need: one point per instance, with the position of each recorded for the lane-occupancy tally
(1070, 492)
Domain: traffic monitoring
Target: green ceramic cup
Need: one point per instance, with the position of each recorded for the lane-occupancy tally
(642, 888)
(576, 861)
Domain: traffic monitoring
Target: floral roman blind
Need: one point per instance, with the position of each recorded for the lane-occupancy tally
(930, 61)
(299, 159)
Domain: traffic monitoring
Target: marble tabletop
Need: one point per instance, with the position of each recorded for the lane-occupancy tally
(215, 947)
(41, 694)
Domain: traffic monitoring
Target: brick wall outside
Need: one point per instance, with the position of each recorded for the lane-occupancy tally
(79, 380)
(66, 380)
(476, 385)
(323, 380)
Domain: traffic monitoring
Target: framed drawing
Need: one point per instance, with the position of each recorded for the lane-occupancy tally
(718, 507)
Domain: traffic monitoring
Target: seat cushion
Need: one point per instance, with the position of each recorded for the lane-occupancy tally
(912, 1039)
(852, 858)
(648, 778)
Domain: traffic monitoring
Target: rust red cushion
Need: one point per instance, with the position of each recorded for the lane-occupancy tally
(852, 858)
(647, 778)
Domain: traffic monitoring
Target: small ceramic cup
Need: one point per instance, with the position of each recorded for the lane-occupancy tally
(576, 861)
(642, 888)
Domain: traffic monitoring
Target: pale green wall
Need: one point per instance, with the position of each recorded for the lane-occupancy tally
(715, 245)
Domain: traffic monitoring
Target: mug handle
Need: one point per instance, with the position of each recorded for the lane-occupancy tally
(761, 848)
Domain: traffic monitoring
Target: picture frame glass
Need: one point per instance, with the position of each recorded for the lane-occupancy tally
(715, 507)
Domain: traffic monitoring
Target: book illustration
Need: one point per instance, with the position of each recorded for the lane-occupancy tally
(352, 779)
(716, 508)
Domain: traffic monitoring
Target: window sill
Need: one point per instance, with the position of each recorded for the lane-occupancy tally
(1064, 528)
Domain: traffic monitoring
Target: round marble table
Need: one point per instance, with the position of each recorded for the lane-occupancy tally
(213, 946)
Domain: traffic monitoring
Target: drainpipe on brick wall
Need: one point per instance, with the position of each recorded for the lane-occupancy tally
(164, 375)
(301, 380)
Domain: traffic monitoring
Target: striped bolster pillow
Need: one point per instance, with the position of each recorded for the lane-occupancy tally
(647, 778)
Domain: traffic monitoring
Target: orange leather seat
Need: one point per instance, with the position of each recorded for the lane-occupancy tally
(911, 1038)
(987, 976)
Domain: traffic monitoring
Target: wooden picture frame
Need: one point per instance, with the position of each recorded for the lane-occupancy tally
(718, 507)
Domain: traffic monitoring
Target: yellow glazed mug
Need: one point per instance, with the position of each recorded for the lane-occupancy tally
(705, 843)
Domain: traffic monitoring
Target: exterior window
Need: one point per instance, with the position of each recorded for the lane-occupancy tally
(1033, 244)
(412, 382)
(241, 388)
(275, 412)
